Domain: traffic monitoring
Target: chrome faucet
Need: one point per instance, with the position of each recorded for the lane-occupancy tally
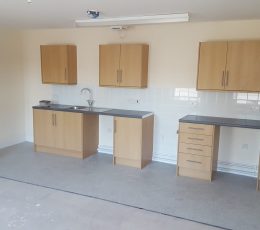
(90, 100)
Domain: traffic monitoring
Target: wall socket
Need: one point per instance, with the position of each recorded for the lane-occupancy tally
(133, 101)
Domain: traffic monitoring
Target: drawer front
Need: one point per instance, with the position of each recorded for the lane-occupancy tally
(196, 128)
(195, 139)
(193, 173)
(201, 150)
(194, 162)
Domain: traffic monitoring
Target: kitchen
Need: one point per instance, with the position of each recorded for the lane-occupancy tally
(170, 95)
(176, 67)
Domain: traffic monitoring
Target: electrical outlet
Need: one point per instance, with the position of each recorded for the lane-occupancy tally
(133, 101)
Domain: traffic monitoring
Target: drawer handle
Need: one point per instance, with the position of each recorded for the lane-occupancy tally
(195, 139)
(196, 128)
(195, 149)
(196, 162)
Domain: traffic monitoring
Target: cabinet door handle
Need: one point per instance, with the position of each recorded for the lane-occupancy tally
(52, 119)
(196, 128)
(55, 119)
(117, 76)
(65, 72)
(196, 162)
(200, 150)
(121, 73)
(223, 77)
(227, 78)
(195, 139)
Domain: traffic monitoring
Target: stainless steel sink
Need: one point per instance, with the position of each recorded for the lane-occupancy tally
(95, 109)
(77, 107)
(89, 109)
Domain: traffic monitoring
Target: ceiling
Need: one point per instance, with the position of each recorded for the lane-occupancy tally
(62, 14)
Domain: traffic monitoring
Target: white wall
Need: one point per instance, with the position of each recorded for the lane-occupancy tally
(170, 93)
(12, 128)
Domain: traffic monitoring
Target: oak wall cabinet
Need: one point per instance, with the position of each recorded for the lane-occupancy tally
(123, 65)
(197, 150)
(133, 141)
(229, 65)
(59, 64)
(65, 133)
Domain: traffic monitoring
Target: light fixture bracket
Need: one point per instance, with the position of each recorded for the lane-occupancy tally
(93, 13)
(141, 20)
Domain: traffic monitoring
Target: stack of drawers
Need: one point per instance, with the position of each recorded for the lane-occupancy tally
(197, 150)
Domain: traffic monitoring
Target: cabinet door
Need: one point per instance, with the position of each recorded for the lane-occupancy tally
(69, 130)
(109, 56)
(44, 130)
(134, 65)
(128, 138)
(59, 64)
(243, 69)
(212, 65)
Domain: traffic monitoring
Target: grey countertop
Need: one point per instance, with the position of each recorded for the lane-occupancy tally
(96, 110)
(222, 121)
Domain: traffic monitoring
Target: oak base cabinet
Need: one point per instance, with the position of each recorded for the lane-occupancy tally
(65, 133)
(133, 141)
(197, 150)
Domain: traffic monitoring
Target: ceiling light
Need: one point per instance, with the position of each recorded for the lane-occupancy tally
(165, 18)
(93, 13)
(29, 1)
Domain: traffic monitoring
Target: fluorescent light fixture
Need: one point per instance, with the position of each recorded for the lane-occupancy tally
(165, 18)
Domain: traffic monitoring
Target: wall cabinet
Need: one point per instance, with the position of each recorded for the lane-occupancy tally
(65, 133)
(197, 150)
(123, 65)
(133, 141)
(229, 65)
(59, 64)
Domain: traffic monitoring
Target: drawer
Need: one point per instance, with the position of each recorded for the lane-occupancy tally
(196, 128)
(205, 175)
(195, 139)
(201, 150)
(186, 160)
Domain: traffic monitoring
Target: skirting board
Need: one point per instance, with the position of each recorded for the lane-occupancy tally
(229, 167)
(10, 143)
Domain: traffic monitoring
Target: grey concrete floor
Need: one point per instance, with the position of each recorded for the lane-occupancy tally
(230, 201)
(28, 207)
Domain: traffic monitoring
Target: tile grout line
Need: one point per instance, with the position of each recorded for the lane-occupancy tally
(113, 202)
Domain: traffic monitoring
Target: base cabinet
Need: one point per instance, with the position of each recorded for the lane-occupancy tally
(133, 141)
(197, 150)
(65, 133)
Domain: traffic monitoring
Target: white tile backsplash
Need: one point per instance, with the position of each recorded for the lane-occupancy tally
(169, 105)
